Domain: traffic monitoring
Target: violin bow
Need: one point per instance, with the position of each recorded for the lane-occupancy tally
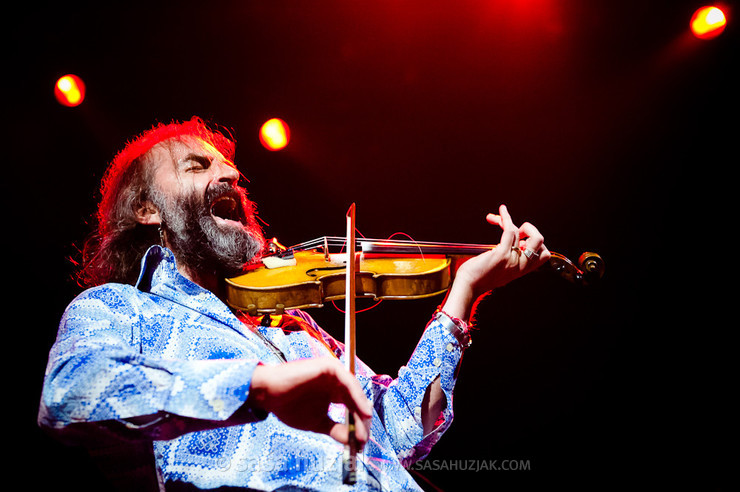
(349, 465)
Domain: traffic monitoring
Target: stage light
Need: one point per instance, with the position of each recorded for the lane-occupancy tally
(70, 90)
(274, 134)
(708, 22)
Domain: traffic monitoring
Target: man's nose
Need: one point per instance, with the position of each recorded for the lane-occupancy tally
(227, 173)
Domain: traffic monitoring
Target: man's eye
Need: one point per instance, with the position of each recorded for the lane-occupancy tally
(197, 163)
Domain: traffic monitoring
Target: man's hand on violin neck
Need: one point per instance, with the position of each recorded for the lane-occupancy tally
(499, 266)
(299, 393)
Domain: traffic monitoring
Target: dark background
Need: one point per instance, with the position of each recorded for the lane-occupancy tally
(606, 124)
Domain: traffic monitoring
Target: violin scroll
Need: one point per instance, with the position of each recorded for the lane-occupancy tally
(590, 268)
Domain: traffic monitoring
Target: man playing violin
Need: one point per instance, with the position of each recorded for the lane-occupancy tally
(172, 389)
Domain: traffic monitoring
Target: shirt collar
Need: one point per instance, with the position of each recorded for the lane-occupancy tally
(158, 266)
(159, 276)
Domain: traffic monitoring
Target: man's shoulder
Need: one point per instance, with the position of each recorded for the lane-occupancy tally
(109, 294)
(110, 288)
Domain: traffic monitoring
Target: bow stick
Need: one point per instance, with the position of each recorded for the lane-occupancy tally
(349, 466)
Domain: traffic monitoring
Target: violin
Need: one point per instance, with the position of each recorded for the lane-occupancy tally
(309, 274)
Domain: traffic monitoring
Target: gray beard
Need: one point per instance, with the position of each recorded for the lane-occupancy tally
(199, 243)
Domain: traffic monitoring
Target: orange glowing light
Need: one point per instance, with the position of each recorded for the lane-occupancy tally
(274, 134)
(70, 90)
(708, 22)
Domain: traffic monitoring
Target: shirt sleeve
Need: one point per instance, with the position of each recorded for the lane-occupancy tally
(399, 401)
(97, 378)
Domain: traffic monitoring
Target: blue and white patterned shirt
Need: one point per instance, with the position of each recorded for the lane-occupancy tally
(154, 363)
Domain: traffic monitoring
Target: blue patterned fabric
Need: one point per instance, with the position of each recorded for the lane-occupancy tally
(164, 359)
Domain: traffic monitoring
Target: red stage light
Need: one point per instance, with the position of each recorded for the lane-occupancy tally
(274, 134)
(70, 90)
(708, 22)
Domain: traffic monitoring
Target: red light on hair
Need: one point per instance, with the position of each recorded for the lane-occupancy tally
(708, 22)
(70, 90)
(275, 134)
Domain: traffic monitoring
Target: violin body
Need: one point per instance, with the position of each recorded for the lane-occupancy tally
(314, 278)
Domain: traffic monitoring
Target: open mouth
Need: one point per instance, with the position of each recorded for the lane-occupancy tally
(227, 208)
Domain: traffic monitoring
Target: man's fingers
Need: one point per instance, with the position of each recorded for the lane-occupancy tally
(510, 234)
(535, 242)
(505, 217)
(494, 219)
(532, 234)
(340, 432)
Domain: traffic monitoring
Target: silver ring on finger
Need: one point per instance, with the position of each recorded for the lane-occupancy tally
(530, 253)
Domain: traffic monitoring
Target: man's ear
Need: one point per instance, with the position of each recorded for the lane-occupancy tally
(148, 214)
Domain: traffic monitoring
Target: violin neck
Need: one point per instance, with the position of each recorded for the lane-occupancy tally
(422, 247)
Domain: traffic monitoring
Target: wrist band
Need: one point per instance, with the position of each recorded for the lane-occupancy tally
(457, 327)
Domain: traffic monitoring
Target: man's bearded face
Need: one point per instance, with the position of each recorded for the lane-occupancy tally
(208, 221)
